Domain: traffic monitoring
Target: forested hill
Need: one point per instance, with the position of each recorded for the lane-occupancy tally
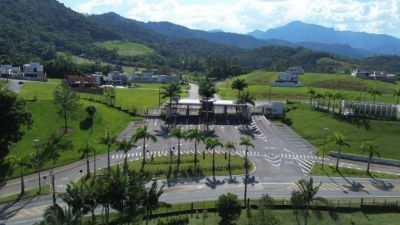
(39, 28)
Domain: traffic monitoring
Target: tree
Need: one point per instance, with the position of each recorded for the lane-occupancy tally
(91, 110)
(374, 92)
(318, 96)
(338, 96)
(207, 90)
(125, 145)
(246, 98)
(211, 144)
(55, 215)
(179, 134)
(370, 148)
(397, 95)
(90, 198)
(264, 215)
(142, 133)
(67, 101)
(240, 85)
(152, 199)
(85, 151)
(197, 136)
(340, 141)
(329, 95)
(311, 92)
(230, 145)
(305, 194)
(229, 208)
(246, 141)
(108, 140)
(13, 116)
(73, 197)
(171, 91)
(19, 162)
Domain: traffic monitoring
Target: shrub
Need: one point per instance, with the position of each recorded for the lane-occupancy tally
(176, 220)
(229, 208)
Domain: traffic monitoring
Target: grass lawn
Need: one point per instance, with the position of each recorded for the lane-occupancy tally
(286, 217)
(259, 86)
(28, 194)
(43, 90)
(310, 124)
(46, 122)
(330, 170)
(126, 48)
(159, 167)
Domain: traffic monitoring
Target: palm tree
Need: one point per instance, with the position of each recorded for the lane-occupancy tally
(329, 95)
(311, 92)
(307, 193)
(370, 148)
(20, 163)
(125, 145)
(179, 134)
(318, 96)
(338, 96)
(246, 98)
(207, 90)
(397, 95)
(109, 140)
(340, 141)
(231, 147)
(171, 91)
(151, 199)
(211, 144)
(197, 136)
(239, 84)
(246, 141)
(142, 133)
(85, 151)
(374, 92)
(55, 215)
(73, 197)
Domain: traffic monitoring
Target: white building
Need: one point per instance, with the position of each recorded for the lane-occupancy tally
(33, 70)
(298, 70)
(286, 79)
(360, 74)
(116, 78)
(368, 109)
(271, 108)
(5, 70)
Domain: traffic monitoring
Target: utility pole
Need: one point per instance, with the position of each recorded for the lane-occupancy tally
(270, 90)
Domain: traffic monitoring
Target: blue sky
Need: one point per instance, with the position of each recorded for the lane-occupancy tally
(241, 16)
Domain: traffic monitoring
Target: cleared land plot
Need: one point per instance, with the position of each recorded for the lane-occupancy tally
(310, 124)
(259, 86)
(126, 48)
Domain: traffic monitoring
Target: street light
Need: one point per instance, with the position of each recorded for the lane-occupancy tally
(323, 153)
(36, 146)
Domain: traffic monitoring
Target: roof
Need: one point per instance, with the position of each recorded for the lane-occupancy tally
(216, 102)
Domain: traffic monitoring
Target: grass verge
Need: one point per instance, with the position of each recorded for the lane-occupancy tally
(28, 194)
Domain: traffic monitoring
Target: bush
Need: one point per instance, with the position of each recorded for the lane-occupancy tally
(176, 220)
(229, 208)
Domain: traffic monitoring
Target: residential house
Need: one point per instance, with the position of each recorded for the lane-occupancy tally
(360, 74)
(271, 108)
(286, 79)
(33, 70)
(81, 81)
(5, 70)
(116, 78)
(298, 70)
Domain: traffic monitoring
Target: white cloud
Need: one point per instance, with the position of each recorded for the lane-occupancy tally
(380, 16)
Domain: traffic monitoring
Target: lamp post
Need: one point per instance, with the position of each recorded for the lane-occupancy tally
(323, 153)
(91, 110)
(270, 90)
(37, 161)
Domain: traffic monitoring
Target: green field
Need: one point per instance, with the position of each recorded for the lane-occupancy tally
(259, 86)
(310, 124)
(43, 90)
(159, 166)
(330, 170)
(126, 48)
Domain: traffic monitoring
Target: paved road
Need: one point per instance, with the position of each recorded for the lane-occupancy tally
(28, 212)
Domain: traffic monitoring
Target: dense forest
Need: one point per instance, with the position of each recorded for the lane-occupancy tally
(32, 30)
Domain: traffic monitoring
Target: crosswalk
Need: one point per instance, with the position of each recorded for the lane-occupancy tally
(257, 132)
(355, 187)
(157, 153)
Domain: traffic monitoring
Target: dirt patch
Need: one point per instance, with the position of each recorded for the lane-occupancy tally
(68, 132)
(341, 85)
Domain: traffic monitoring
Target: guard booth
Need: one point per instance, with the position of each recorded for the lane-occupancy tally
(207, 109)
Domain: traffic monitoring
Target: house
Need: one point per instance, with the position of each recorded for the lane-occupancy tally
(298, 70)
(34, 70)
(286, 79)
(81, 81)
(368, 109)
(360, 74)
(98, 78)
(116, 78)
(148, 76)
(383, 77)
(5, 70)
(271, 108)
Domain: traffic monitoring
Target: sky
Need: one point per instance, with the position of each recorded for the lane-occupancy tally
(242, 16)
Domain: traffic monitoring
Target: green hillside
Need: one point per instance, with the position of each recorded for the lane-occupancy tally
(126, 48)
(259, 86)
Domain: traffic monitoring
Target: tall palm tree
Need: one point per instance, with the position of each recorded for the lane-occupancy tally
(143, 133)
(85, 152)
(179, 134)
(318, 96)
(329, 95)
(370, 148)
(230, 145)
(338, 96)
(108, 140)
(340, 141)
(207, 90)
(125, 145)
(246, 98)
(198, 136)
(73, 197)
(152, 199)
(311, 92)
(211, 144)
(307, 192)
(374, 92)
(246, 141)
(55, 215)
(239, 84)
(19, 162)
(397, 95)
(171, 91)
